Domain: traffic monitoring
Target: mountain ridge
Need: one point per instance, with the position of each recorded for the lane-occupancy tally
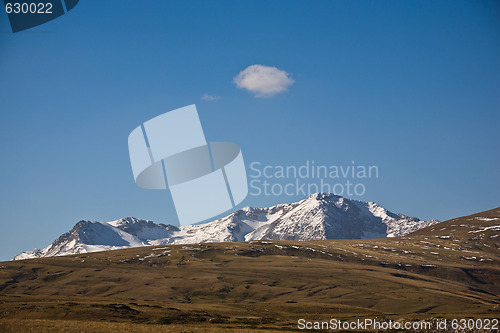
(320, 216)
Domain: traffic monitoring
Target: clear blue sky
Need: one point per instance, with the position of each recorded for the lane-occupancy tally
(410, 86)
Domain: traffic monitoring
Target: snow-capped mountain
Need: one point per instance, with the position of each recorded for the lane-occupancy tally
(321, 216)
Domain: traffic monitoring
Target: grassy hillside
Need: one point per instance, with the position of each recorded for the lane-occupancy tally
(449, 270)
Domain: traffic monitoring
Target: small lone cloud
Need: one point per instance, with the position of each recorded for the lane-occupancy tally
(210, 98)
(263, 81)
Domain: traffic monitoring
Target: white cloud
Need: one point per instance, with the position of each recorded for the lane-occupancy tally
(263, 81)
(210, 98)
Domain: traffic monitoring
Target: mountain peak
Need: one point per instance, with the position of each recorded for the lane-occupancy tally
(127, 221)
(325, 196)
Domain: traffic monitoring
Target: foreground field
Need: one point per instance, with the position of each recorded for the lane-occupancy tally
(450, 270)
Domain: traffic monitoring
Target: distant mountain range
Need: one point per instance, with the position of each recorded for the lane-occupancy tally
(320, 216)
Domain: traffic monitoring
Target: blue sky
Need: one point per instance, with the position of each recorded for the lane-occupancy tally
(409, 86)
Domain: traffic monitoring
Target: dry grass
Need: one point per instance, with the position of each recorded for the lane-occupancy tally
(259, 286)
(63, 326)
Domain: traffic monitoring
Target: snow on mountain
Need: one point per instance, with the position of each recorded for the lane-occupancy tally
(320, 216)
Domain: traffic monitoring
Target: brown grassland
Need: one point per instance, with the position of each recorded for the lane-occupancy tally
(450, 270)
